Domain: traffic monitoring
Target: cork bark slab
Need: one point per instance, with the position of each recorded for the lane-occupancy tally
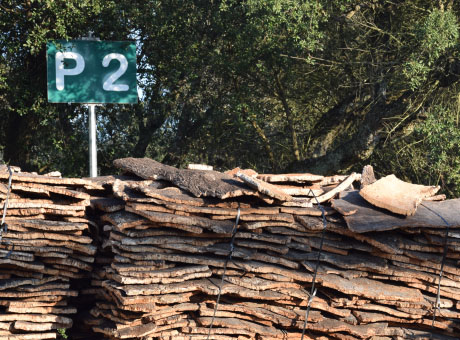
(223, 227)
(308, 191)
(162, 280)
(42, 189)
(370, 289)
(361, 331)
(82, 248)
(198, 182)
(367, 176)
(164, 240)
(362, 262)
(37, 318)
(396, 196)
(123, 219)
(173, 195)
(310, 211)
(299, 178)
(16, 255)
(14, 283)
(242, 324)
(47, 225)
(208, 210)
(31, 178)
(194, 331)
(29, 336)
(107, 204)
(104, 181)
(342, 210)
(370, 218)
(264, 187)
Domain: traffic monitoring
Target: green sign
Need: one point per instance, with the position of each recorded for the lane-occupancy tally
(88, 71)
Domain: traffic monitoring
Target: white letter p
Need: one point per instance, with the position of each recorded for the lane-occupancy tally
(61, 71)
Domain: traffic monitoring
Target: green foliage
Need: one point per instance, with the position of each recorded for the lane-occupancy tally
(37, 135)
(62, 333)
(438, 32)
(439, 135)
(428, 150)
(314, 85)
(283, 21)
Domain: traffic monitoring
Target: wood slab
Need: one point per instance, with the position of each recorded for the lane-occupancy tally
(367, 176)
(31, 178)
(264, 187)
(207, 183)
(370, 218)
(397, 196)
(172, 195)
(299, 178)
(107, 204)
(194, 223)
(38, 188)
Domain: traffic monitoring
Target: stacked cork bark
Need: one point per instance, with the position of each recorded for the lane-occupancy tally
(170, 234)
(44, 246)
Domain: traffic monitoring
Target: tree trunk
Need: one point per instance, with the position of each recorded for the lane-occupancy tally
(359, 146)
(266, 143)
(287, 110)
(148, 123)
(18, 140)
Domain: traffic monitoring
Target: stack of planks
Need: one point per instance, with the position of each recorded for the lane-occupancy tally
(174, 233)
(44, 246)
(102, 202)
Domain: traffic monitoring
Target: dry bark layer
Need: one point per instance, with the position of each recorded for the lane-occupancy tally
(44, 246)
(163, 246)
(397, 196)
(165, 250)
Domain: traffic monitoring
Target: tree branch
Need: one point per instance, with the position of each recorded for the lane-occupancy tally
(287, 110)
(359, 146)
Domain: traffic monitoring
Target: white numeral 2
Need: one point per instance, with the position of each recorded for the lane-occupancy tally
(108, 84)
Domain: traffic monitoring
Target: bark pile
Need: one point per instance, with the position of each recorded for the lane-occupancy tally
(168, 236)
(45, 244)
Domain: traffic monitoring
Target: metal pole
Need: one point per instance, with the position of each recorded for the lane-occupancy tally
(92, 128)
(92, 141)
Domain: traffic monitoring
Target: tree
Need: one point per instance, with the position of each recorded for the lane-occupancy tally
(315, 85)
(29, 125)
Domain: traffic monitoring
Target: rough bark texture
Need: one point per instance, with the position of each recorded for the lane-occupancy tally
(198, 182)
(41, 250)
(167, 268)
(162, 253)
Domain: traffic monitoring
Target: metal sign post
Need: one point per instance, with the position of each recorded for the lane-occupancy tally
(91, 72)
(92, 141)
(92, 127)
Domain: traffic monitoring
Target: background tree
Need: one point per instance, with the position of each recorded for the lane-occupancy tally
(313, 85)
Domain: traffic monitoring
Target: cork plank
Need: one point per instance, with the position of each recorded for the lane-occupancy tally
(397, 196)
(369, 218)
(200, 183)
